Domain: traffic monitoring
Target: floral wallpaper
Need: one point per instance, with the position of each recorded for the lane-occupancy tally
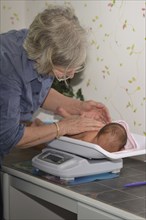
(115, 69)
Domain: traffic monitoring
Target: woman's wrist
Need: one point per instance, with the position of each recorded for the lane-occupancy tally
(60, 129)
(57, 129)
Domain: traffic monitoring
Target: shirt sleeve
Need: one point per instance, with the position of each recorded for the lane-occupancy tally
(22, 90)
(11, 131)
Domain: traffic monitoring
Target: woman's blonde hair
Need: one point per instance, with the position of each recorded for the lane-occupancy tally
(56, 37)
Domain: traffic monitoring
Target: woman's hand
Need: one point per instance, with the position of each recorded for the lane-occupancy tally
(90, 109)
(95, 110)
(71, 125)
(37, 122)
(55, 100)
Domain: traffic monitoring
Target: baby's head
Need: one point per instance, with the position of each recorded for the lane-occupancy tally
(112, 137)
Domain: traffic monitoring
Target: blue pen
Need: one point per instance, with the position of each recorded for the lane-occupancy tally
(135, 184)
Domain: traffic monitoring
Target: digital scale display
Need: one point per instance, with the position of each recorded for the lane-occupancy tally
(54, 157)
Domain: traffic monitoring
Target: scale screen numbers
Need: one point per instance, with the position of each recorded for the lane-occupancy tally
(55, 159)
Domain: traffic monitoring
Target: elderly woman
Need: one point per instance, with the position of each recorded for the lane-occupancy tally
(53, 46)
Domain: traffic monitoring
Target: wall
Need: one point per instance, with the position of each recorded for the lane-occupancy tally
(115, 71)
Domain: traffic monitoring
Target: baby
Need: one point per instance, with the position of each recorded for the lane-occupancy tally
(112, 137)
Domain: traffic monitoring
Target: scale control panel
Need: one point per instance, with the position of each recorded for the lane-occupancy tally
(54, 157)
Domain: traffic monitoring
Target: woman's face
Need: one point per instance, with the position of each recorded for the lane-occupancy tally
(62, 74)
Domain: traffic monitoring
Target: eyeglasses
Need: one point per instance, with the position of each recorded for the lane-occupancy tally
(80, 68)
(60, 76)
(67, 74)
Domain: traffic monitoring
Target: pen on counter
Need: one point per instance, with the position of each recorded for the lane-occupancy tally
(135, 184)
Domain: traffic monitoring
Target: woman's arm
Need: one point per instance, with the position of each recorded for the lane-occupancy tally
(34, 135)
(54, 100)
(39, 132)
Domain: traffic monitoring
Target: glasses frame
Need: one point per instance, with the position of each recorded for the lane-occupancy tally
(65, 77)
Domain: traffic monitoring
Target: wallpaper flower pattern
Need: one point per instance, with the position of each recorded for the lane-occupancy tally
(115, 72)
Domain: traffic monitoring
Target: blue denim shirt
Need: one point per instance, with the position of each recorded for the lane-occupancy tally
(22, 89)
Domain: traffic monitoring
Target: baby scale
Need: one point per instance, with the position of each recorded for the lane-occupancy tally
(69, 158)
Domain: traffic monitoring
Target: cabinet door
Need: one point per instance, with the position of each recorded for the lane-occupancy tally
(86, 212)
(26, 201)
(24, 206)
